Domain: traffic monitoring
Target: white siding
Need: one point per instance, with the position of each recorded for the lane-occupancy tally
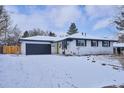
(59, 47)
(54, 48)
(60, 50)
(72, 49)
(84, 50)
(23, 48)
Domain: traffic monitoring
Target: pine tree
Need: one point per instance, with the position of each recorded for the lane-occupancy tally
(26, 34)
(72, 29)
(52, 34)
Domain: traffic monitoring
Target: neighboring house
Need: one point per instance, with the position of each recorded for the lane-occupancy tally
(118, 48)
(76, 44)
(120, 36)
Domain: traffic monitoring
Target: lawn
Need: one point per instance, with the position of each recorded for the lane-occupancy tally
(55, 71)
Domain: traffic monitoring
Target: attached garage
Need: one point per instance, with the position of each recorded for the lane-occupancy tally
(37, 45)
(36, 49)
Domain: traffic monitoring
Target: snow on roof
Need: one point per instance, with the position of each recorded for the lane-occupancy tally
(44, 38)
(118, 44)
(77, 35)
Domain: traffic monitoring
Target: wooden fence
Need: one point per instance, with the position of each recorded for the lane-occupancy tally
(12, 49)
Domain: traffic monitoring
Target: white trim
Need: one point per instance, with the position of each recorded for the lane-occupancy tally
(118, 44)
(35, 42)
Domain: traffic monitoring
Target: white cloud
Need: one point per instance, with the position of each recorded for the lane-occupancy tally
(11, 9)
(55, 16)
(26, 22)
(97, 11)
(64, 14)
(102, 24)
(101, 15)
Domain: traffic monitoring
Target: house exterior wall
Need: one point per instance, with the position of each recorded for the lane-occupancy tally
(72, 49)
(57, 48)
(23, 48)
(60, 50)
(54, 48)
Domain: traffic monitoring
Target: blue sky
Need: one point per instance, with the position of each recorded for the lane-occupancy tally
(94, 20)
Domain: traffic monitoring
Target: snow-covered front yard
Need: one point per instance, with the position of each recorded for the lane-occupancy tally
(60, 71)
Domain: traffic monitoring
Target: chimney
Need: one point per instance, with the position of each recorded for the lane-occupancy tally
(82, 33)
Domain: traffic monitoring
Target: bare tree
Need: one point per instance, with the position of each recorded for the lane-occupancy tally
(119, 22)
(14, 35)
(38, 31)
(4, 23)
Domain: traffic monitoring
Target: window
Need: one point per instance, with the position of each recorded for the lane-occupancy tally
(80, 42)
(94, 43)
(105, 43)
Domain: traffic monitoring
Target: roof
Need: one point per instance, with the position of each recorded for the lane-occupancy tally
(42, 38)
(54, 39)
(39, 38)
(80, 36)
(118, 44)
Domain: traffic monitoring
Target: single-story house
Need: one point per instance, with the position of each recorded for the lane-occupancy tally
(76, 44)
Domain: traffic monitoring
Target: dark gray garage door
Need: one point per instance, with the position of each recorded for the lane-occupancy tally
(32, 49)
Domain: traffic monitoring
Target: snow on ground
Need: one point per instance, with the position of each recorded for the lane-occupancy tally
(60, 71)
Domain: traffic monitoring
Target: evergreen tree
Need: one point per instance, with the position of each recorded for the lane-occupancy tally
(72, 29)
(26, 34)
(52, 34)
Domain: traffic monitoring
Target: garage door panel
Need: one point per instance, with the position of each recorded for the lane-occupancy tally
(32, 49)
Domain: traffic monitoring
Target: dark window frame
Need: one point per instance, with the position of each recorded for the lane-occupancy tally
(80, 43)
(108, 44)
(94, 41)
